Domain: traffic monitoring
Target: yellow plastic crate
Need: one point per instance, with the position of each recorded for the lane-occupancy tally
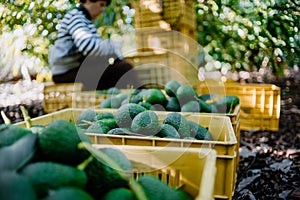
(220, 127)
(260, 103)
(155, 69)
(192, 170)
(59, 96)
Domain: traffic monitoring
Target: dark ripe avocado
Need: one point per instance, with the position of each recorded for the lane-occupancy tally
(10, 133)
(167, 131)
(46, 176)
(58, 143)
(119, 194)
(66, 193)
(155, 189)
(15, 187)
(145, 123)
(126, 113)
(102, 177)
(179, 122)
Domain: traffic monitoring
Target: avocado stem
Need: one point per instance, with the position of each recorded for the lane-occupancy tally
(85, 163)
(5, 118)
(26, 116)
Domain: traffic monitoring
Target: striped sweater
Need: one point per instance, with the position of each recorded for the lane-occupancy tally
(77, 38)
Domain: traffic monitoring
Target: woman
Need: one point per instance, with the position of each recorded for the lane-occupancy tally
(80, 55)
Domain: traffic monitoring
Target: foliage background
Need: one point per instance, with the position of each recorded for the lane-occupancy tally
(236, 35)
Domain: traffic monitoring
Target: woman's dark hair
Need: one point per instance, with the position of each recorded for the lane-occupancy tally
(107, 1)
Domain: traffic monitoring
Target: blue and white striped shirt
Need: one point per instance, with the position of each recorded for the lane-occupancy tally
(77, 38)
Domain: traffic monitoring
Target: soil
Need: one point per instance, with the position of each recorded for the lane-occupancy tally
(269, 166)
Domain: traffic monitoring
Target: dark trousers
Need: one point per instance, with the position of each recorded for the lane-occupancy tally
(97, 75)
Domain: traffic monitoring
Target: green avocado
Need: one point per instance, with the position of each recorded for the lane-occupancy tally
(10, 133)
(15, 187)
(145, 123)
(199, 132)
(85, 117)
(126, 113)
(46, 176)
(167, 131)
(64, 193)
(119, 194)
(58, 143)
(155, 189)
(102, 177)
(179, 122)
(171, 87)
(191, 106)
(172, 104)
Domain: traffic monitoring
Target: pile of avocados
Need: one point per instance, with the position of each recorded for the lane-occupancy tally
(58, 162)
(135, 120)
(174, 97)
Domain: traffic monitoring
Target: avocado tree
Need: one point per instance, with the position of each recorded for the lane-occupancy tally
(248, 35)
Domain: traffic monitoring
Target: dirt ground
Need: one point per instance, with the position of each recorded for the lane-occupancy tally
(269, 166)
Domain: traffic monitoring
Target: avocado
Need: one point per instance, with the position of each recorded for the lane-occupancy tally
(191, 106)
(113, 90)
(85, 117)
(153, 96)
(145, 123)
(171, 88)
(111, 102)
(199, 132)
(167, 131)
(58, 143)
(126, 113)
(117, 131)
(46, 176)
(104, 115)
(10, 133)
(186, 93)
(15, 187)
(172, 104)
(205, 107)
(102, 177)
(64, 193)
(155, 189)
(122, 96)
(227, 103)
(110, 122)
(119, 194)
(145, 105)
(98, 128)
(18, 154)
(179, 122)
